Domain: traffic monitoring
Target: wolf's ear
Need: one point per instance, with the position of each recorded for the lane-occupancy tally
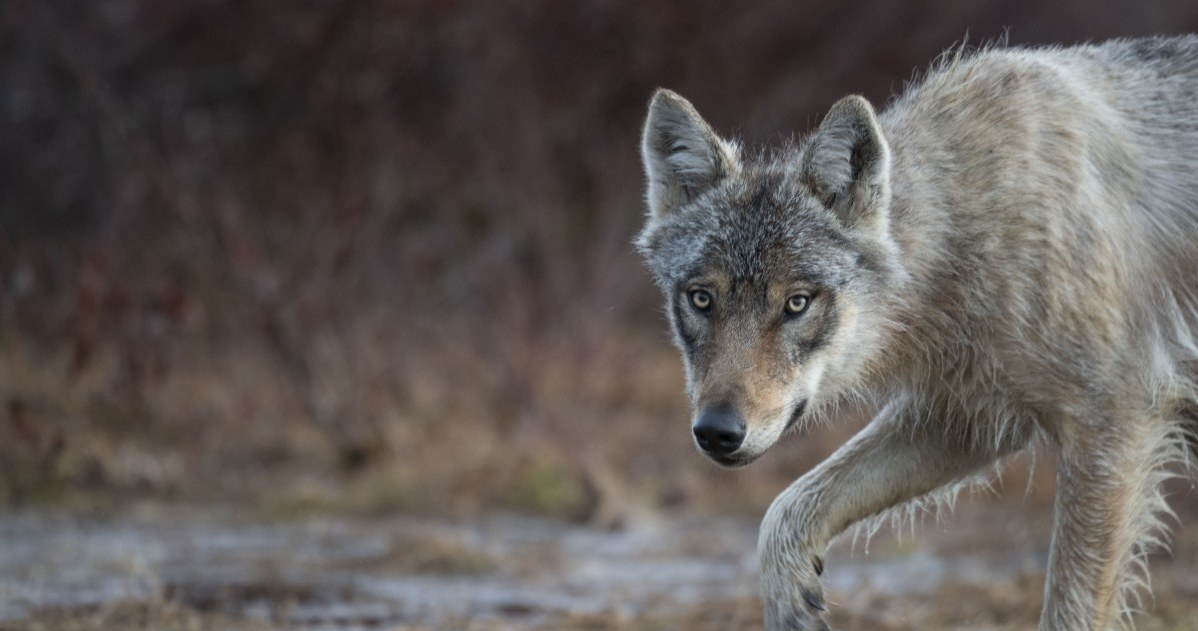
(683, 157)
(847, 164)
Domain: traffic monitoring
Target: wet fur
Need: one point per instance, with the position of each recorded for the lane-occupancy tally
(1005, 256)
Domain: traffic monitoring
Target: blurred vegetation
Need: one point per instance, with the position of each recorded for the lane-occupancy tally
(375, 254)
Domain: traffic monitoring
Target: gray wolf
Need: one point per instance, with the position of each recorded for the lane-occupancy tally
(1005, 258)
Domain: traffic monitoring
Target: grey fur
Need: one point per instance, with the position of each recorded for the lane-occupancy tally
(1006, 256)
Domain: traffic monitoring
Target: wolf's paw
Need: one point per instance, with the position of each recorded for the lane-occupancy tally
(795, 603)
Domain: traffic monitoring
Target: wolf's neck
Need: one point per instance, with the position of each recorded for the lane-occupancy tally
(921, 226)
(919, 222)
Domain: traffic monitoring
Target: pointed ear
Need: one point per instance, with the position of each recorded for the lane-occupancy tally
(847, 164)
(683, 157)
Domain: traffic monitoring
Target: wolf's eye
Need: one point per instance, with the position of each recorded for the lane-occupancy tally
(797, 304)
(701, 299)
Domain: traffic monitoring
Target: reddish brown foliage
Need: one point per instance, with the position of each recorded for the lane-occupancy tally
(390, 216)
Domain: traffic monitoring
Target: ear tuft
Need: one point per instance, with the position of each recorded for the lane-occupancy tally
(847, 163)
(682, 155)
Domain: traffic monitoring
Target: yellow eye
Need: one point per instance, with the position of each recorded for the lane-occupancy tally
(701, 299)
(797, 304)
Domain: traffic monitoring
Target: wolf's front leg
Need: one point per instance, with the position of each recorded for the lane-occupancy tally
(1108, 507)
(897, 457)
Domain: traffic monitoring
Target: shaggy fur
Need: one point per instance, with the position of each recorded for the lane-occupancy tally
(1006, 255)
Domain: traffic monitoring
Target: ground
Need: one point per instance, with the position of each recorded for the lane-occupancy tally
(980, 568)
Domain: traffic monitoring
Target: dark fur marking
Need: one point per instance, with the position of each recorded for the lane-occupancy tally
(688, 339)
(1188, 414)
(860, 159)
(756, 203)
(795, 623)
(1154, 49)
(868, 262)
(795, 415)
(813, 599)
(823, 332)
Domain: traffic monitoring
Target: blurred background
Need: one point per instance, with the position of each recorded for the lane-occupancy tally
(373, 257)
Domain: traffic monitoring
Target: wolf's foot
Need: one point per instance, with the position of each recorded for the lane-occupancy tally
(794, 603)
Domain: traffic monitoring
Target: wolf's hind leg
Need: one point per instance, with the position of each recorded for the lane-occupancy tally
(899, 456)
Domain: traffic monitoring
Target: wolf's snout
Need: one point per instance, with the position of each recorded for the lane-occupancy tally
(719, 429)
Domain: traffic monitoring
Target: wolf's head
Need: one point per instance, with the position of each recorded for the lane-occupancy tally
(774, 268)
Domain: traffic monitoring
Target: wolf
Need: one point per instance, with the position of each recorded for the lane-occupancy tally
(1003, 259)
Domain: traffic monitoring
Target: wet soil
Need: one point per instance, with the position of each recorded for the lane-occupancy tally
(979, 569)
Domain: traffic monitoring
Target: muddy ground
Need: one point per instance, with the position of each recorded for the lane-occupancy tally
(176, 569)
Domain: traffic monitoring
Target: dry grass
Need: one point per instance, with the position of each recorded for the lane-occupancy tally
(567, 432)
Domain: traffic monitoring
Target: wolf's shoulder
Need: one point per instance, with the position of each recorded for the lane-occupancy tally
(1033, 81)
(1163, 54)
(1179, 51)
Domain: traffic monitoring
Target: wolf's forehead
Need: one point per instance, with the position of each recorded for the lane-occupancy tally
(768, 229)
(759, 225)
(765, 251)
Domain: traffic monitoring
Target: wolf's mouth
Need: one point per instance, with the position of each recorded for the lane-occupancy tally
(796, 415)
(731, 462)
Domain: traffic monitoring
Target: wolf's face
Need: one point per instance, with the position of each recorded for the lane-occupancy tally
(769, 267)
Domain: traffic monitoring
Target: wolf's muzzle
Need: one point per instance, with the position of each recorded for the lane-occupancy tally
(719, 429)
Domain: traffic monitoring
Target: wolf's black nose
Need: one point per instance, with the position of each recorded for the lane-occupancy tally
(719, 429)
